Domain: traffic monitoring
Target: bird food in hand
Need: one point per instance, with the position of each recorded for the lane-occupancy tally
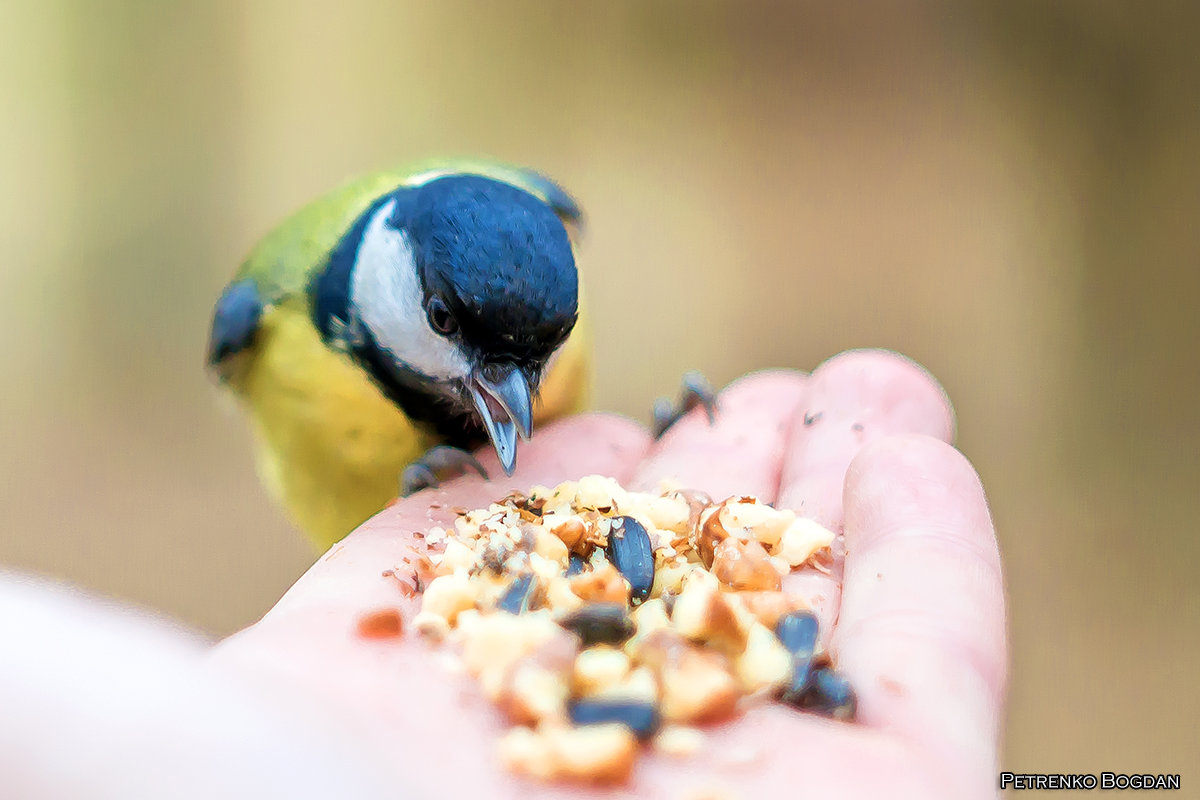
(602, 621)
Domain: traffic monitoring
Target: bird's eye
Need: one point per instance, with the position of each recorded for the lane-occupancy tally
(440, 317)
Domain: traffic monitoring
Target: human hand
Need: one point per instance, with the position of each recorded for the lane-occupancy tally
(914, 609)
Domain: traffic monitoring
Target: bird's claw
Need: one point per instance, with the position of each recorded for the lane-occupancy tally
(696, 391)
(440, 463)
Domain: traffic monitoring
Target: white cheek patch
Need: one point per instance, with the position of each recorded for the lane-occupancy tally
(550, 362)
(386, 293)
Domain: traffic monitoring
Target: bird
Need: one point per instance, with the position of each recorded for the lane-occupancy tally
(388, 328)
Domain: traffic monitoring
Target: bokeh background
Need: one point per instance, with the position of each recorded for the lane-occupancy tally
(1006, 191)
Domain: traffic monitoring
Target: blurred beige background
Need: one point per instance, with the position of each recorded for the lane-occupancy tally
(1005, 191)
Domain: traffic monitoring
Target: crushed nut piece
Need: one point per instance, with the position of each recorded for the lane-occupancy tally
(432, 626)
(802, 540)
(704, 614)
(549, 546)
(597, 669)
(386, 623)
(571, 531)
(697, 687)
(709, 533)
(601, 585)
(679, 741)
(750, 519)
(456, 556)
(765, 663)
(741, 564)
(532, 693)
(768, 607)
(447, 595)
(601, 753)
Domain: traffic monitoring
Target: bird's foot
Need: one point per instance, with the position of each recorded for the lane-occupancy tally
(440, 463)
(696, 391)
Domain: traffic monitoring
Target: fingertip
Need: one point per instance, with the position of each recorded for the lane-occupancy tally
(773, 381)
(877, 361)
(898, 379)
(851, 400)
(904, 476)
(767, 388)
(753, 398)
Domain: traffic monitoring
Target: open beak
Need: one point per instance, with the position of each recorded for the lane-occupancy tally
(505, 404)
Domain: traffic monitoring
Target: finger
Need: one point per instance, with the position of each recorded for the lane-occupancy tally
(922, 627)
(741, 452)
(853, 399)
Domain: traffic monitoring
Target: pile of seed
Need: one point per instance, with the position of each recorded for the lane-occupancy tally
(599, 619)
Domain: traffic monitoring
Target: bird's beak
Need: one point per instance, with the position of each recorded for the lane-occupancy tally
(505, 404)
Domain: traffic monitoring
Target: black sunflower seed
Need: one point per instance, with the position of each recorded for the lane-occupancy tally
(829, 694)
(599, 623)
(518, 596)
(797, 632)
(630, 552)
(641, 718)
(575, 564)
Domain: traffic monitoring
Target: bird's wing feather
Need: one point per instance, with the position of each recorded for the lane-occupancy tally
(235, 321)
(282, 264)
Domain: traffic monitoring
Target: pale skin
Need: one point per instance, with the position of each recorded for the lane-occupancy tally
(914, 612)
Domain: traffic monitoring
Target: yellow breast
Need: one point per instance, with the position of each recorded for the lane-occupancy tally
(331, 447)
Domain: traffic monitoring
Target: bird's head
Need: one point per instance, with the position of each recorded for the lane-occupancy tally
(465, 287)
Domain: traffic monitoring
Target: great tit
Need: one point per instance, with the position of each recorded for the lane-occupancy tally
(404, 313)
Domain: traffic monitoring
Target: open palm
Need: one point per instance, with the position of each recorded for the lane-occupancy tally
(914, 609)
